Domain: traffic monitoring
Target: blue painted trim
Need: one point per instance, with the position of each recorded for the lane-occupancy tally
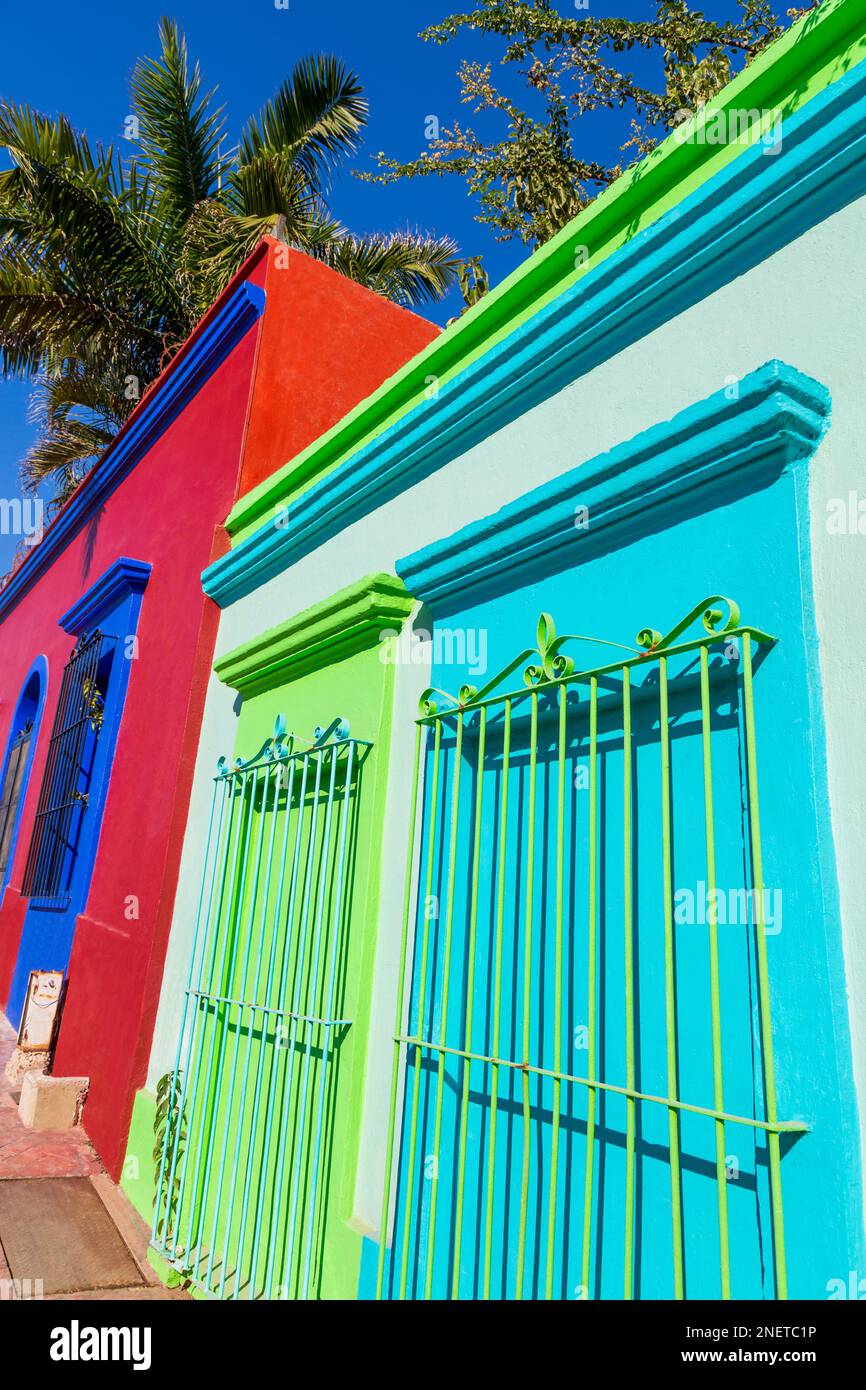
(744, 214)
(40, 669)
(773, 418)
(113, 603)
(192, 369)
(122, 578)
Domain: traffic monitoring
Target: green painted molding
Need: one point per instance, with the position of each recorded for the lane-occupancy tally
(821, 47)
(347, 622)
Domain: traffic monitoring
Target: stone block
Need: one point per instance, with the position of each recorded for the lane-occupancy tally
(52, 1102)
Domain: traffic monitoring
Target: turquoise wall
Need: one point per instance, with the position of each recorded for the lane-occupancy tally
(753, 546)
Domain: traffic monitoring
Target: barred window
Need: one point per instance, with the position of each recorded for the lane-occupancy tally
(575, 1069)
(65, 790)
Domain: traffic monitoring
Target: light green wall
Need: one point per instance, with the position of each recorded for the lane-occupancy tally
(777, 309)
(359, 689)
(326, 663)
(137, 1178)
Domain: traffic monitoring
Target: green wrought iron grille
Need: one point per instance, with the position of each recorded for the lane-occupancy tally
(583, 1099)
(242, 1167)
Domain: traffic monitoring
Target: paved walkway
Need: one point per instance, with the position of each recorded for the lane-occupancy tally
(29, 1154)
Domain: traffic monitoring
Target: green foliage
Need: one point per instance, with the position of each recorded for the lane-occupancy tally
(107, 262)
(542, 172)
(168, 1120)
(474, 283)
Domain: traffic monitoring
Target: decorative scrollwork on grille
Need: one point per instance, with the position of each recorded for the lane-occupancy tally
(281, 745)
(546, 663)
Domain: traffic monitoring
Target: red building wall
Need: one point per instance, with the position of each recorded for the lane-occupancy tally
(303, 354)
(326, 344)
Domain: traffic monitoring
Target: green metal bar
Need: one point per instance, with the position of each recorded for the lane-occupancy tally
(201, 916)
(245, 931)
(282, 995)
(592, 673)
(538, 681)
(778, 1127)
(670, 981)
(317, 1019)
(446, 982)
(324, 865)
(267, 1009)
(527, 995)
(774, 1150)
(628, 1285)
(401, 989)
(196, 1042)
(715, 993)
(226, 904)
(501, 849)
(276, 778)
(300, 958)
(422, 989)
(469, 1001)
(557, 990)
(592, 935)
(336, 918)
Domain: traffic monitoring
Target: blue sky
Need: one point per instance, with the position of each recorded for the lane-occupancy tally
(77, 58)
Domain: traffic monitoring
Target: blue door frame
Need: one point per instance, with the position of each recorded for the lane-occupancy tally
(34, 701)
(112, 604)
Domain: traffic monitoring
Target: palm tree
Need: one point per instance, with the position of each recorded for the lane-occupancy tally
(107, 263)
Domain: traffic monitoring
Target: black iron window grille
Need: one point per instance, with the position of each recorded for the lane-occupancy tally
(63, 797)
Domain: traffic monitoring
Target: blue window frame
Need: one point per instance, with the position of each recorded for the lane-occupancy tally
(78, 770)
(18, 759)
(65, 792)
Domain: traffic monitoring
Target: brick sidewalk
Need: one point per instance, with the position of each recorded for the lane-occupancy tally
(27, 1153)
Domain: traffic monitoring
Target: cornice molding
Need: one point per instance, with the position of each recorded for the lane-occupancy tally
(729, 224)
(821, 46)
(774, 419)
(158, 409)
(121, 579)
(349, 621)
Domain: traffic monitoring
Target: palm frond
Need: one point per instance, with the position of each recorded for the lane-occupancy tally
(179, 131)
(270, 185)
(51, 139)
(62, 455)
(97, 238)
(42, 323)
(103, 391)
(315, 118)
(410, 268)
(107, 262)
(217, 241)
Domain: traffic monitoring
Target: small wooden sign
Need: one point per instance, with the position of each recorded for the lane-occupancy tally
(39, 1019)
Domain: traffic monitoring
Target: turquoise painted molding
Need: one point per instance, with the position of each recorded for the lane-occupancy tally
(347, 622)
(122, 578)
(773, 418)
(756, 205)
(160, 406)
(821, 46)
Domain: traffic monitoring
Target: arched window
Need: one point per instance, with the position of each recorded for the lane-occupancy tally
(17, 761)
